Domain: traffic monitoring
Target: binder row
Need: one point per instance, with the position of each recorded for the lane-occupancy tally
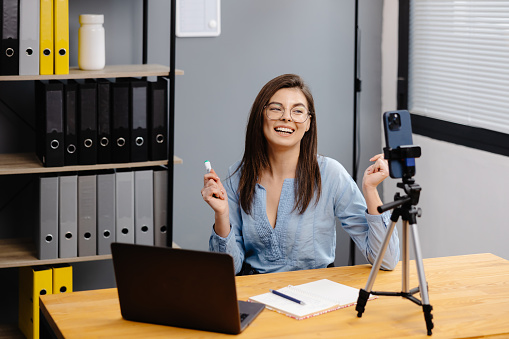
(98, 121)
(81, 215)
(34, 282)
(35, 37)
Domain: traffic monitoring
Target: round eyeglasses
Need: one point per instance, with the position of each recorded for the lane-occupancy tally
(298, 114)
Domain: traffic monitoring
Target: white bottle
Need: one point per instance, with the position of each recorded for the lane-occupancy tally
(91, 42)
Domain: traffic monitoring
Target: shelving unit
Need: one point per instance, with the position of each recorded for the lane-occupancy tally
(20, 252)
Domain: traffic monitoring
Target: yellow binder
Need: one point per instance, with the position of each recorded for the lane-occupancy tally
(61, 36)
(62, 278)
(46, 38)
(33, 282)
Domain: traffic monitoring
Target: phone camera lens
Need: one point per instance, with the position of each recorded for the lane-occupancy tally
(394, 122)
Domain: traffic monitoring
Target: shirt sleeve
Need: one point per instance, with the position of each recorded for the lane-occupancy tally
(378, 226)
(366, 230)
(233, 244)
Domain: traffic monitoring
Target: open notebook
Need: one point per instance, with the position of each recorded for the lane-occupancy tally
(319, 296)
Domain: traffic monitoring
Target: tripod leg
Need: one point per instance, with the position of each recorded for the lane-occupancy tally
(379, 258)
(405, 259)
(364, 293)
(426, 307)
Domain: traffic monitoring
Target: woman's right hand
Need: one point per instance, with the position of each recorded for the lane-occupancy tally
(214, 194)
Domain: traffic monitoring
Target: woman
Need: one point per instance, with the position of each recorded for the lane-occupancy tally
(276, 210)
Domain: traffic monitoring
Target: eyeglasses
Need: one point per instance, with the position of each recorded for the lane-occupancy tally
(298, 114)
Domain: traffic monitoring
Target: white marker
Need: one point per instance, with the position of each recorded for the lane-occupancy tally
(208, 167)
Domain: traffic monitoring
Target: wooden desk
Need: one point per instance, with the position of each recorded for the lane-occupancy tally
(469, 295)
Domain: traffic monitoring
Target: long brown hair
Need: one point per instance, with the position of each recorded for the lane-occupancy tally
(255, 159)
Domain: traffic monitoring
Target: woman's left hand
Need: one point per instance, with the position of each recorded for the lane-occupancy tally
(376, 173)
(373, 176)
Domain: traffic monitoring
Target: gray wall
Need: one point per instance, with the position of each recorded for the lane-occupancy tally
(259, 40)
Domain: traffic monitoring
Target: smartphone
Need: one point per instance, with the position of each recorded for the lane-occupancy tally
(398, 132)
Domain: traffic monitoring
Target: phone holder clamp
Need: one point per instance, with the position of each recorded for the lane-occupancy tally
(406, 154)
(402, 152)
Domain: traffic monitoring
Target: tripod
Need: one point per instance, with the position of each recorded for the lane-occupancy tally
(404, 206)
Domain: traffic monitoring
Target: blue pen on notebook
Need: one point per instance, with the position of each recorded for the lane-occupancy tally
(288, 297)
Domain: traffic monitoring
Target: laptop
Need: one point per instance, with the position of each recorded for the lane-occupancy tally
(181, 288)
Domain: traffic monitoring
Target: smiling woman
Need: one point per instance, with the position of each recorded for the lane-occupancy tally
(278, 206)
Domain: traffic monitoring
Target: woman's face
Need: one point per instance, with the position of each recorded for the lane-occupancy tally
(284, 133)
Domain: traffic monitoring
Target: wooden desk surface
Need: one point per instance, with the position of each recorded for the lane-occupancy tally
(469, 295)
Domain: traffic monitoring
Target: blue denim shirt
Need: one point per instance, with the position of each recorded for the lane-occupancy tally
(308, 240)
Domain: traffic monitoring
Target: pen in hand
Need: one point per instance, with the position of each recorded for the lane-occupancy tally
(288, 297)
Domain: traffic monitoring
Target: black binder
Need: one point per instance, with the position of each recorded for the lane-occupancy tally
(70, 131)
(103, 122)
(87, 123)
(9, 45)
(138, 120)
(120, 133)
(50, 123)
(158, 119)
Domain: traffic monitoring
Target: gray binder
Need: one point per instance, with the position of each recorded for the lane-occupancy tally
(87, 214)
(144, 207)
(124, 187)
(47, 236)
(105, 212)
(29, 11)
(68, 213)
(160, 207)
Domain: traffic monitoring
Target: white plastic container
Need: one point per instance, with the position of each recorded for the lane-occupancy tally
(91, 42)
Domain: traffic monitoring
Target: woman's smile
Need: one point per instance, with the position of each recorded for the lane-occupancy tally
(284, 130)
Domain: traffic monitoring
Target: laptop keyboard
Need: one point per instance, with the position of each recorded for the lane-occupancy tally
(243, 316)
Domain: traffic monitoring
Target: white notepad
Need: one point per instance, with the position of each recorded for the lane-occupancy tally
(319, 296)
